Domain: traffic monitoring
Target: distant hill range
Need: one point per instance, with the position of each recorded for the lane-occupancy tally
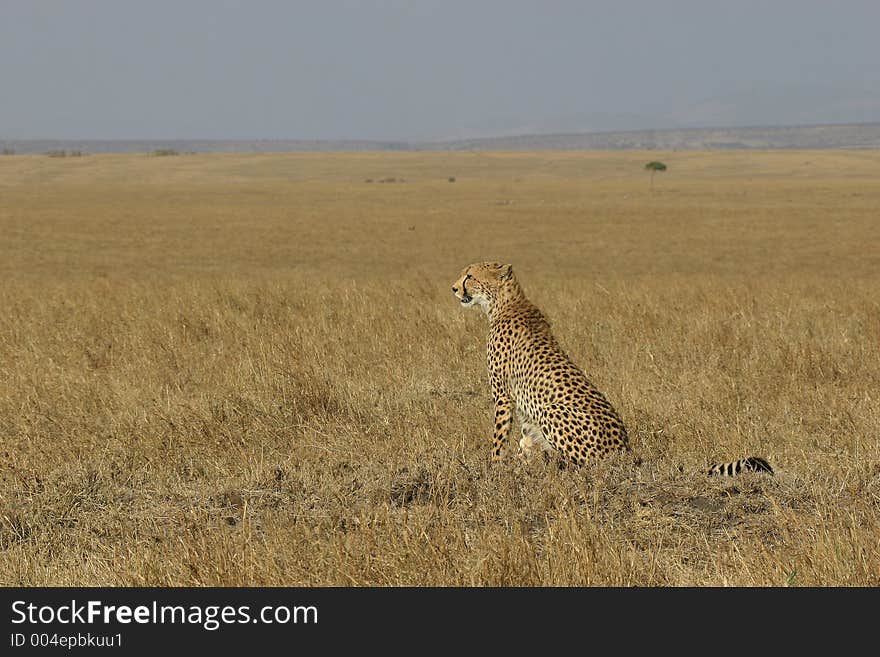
(845, 136)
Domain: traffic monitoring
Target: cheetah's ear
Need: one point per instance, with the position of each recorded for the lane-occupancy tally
(506, 272)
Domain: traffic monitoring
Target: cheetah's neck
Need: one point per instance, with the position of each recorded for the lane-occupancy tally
(511, 302)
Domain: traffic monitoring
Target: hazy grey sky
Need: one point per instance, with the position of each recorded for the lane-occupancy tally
(395, 69)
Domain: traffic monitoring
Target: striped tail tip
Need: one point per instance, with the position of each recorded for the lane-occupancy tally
(750, 464)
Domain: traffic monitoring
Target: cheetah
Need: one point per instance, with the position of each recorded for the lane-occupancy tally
(560, 411)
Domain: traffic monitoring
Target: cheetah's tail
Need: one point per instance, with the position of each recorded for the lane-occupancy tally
(750, 464)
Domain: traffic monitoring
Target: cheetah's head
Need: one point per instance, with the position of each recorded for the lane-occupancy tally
(480, 283)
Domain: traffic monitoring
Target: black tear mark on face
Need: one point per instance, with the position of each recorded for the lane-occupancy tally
(465, 297)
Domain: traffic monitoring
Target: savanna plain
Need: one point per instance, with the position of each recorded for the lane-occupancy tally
(251, 369)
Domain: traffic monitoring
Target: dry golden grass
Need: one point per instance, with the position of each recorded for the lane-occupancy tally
(250, 370)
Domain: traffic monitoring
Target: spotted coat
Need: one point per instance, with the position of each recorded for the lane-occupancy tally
(531, 376)
(558, 408)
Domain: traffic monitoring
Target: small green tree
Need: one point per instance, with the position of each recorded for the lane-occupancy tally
(654, 166)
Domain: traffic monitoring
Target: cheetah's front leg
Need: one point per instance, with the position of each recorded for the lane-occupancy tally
(502, 425)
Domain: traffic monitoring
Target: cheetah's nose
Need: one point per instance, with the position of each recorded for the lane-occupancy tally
(454, 290)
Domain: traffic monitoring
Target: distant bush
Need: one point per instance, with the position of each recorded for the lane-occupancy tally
(161, 152)
(451, 179)
(56, 153)
(8, 151)
(390, 179)
(654, 166)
